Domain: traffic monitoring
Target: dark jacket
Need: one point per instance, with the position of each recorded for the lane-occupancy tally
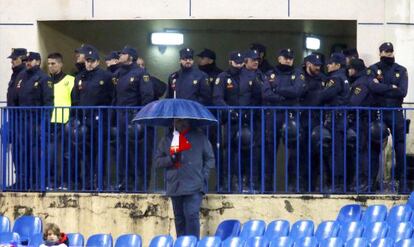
(33, 88)
(191, 177)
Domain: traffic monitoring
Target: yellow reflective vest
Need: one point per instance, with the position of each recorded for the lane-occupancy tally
(62, 94)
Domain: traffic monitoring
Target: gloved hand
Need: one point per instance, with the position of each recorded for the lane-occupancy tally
(175, 158)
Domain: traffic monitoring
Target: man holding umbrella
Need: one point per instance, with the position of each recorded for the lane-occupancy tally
(186, 154)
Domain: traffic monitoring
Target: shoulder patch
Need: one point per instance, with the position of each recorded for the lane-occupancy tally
(357, 90)
(330, 83)
(50, 84)
(369, 71)
(146, 78)
(302, 77)
(293, 77)
(397, 75)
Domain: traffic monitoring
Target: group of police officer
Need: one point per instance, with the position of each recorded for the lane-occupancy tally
(248, 140)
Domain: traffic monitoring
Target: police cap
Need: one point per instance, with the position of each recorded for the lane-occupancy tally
(92, 54)
(287, 53)
(33, 56)
(338, 58)
(258, 47)
(186, 53)
(130, 51)
(16, 52)
(207, 53)
(252, 54)
(112, 55)
(357, 64)
(314, 59)
(236, 57)
(387, 47)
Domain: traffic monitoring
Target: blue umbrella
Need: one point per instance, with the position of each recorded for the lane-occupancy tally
(162, 112)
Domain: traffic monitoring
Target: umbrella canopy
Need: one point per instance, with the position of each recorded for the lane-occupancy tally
(162, 112)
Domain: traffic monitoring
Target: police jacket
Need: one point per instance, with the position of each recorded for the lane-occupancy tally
(311, 88)
(230, 90)
(11, 90)
(192, 176)
(78, 77)
(33, 88)
(283, 87)
(192, 84)
(133, 86)
(360, 93)
(390, 84)
(94, 88)
(335, 89)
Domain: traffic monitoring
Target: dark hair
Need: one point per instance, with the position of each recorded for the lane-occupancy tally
(51, 226)
(56, 55)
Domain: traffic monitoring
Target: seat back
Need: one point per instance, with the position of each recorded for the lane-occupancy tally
(331, 242)
(400, 231)
(186, 241)
(27, 226)
(209, 241)
(327, 229)
(301, 229)
(277, 228)
(128, 240)
(4, 224)
(228, 228)
(350, 230)
(405, 243)
(9, 237)
(375, 230)
(281, 242)
(383, 242)
(36, 240)
(350, 212)
(75, 239)
(252, 228)
(374, 213)
(399, 213)
(258, 241)
(233, 242)
(101, 240)
(306, 242)
(162, 241)
(410, 201)
(357, 242)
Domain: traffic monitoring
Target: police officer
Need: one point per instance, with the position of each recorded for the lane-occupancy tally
(189, 82)
(207, 64)
(112, 61)
(133, 87)
(264, 65)
(310, 119)
(159, 86)
(80, 73)
(33, 88)
(283, 87)
(94, 88)
(334, 93)
(360, 95)
(18, 57)
(58, 144)
(390, 86)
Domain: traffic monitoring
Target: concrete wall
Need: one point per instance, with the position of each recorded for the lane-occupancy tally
(150, 215)
(377, 20)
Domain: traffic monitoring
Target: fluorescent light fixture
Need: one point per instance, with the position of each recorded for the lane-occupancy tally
(313, 43)
(167, 38)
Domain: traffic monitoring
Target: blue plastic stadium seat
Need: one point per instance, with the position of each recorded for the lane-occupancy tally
(162, 241)
(9, 237)
(258, 241)
(101, 240)
(252, 228)
(410, 201)
(383, 242)
(209, 241)
(4, 224)
(36, 240)
(186, 241)
(281, 242)
(350, 230)
(128, 240)
(405, 243)
(374, 213)
(75, 239)
(375, 230)
(228, 228)
(232, 242)
(400, 231)
(357, 242)
(306, 242)
(27, 226)
(327, 229)
(351, 212)
(399, 213)
(301, 229)
(331, 242)
(277, 228)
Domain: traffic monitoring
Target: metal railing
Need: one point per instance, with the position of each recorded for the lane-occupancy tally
(257, 150)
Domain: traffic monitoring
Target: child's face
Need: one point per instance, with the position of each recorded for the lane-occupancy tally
(51, 236)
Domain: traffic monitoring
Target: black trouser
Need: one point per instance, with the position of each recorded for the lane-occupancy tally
(290, 138)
